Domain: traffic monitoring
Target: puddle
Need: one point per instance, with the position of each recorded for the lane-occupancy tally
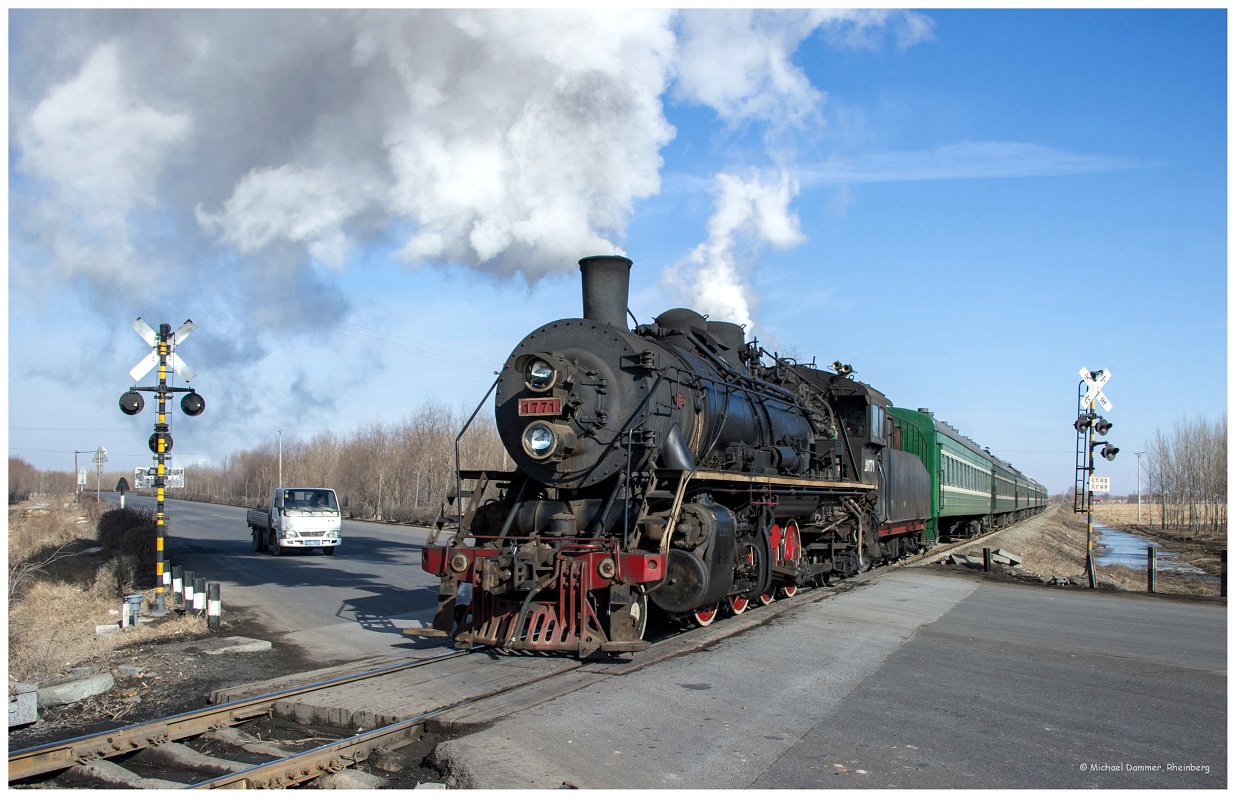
(1114, 547)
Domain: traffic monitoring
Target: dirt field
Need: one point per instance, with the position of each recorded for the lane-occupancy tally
(1054, 545)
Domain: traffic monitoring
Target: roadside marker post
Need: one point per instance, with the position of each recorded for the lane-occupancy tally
(177, 585)
(214, 607)
(199, 596)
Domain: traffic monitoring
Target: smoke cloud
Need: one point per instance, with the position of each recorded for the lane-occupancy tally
(259, 146)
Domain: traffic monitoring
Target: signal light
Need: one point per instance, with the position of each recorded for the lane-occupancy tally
(1083, 421)
(160, 443)
(1109, 451)
(1102, 425)
(192, 404)
(131, 403)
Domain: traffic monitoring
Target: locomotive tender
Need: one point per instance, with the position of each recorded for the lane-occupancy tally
(677, 468)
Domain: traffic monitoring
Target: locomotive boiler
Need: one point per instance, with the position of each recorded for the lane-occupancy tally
(672, 468)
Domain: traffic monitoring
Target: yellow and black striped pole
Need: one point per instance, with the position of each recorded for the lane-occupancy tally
(160, 447)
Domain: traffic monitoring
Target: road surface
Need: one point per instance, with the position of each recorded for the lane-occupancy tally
(336, 608)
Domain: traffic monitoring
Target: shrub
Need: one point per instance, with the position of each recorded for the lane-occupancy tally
(114, 528)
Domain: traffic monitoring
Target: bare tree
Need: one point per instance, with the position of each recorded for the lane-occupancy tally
(1187, 475)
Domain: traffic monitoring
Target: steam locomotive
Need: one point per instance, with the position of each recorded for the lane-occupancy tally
(678, 469)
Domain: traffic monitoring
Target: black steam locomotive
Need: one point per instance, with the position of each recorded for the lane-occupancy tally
(674, 467)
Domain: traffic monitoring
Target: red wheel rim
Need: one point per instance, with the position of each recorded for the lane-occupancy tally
(767, 598)
(705, 615)
(789, 591)
(793, 543)
(739, 604)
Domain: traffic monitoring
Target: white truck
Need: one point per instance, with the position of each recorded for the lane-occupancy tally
(298, 518)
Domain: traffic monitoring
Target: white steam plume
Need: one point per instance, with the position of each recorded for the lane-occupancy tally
(739, 63)
(506, 140)
(257, 146)
(750, 214)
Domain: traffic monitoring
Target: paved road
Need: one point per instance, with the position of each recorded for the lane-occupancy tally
(913, 680)
(335, 608)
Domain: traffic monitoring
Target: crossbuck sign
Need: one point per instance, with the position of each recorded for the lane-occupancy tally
(1094, 388)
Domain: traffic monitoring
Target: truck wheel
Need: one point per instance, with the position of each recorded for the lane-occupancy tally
(278, 550)
(257, 543)
(329, 550)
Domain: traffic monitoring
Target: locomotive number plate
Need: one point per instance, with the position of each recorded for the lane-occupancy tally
(540, 407)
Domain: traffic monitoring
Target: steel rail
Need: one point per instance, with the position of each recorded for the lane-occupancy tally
(35, 761)
(329, 758)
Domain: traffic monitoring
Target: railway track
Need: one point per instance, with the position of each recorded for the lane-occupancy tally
(156, 746)
(942, 549)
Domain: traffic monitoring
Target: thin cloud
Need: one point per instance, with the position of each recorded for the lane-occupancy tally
(966, 160)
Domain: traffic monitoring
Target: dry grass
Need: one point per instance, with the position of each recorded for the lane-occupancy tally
(60, 590)
(1054, 545)
(1121, 515)
(1050, 544)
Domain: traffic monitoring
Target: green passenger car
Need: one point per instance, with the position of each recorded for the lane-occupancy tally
(961, 474)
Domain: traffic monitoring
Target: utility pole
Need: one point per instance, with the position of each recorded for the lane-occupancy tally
(163, 345)
(100, 457)
(1139, 486)
(79, 473)
(280, 483)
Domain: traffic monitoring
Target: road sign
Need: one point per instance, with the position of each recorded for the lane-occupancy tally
(1100, 484)
(100, 457)
(1094, 388)
(81, 477)
(145, 477)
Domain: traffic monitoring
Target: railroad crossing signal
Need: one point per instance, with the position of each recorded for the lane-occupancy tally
(1095, 380)
(150, 361)
(162, 354)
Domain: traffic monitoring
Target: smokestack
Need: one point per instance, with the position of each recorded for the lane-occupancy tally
(607, 281)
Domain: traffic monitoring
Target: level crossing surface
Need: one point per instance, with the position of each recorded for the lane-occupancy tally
(914, 679)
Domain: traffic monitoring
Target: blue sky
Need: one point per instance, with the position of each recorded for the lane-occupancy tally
(362, 213)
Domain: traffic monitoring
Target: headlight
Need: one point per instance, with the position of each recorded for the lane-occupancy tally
(543, 440)
(539, 440)
(539, 375)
